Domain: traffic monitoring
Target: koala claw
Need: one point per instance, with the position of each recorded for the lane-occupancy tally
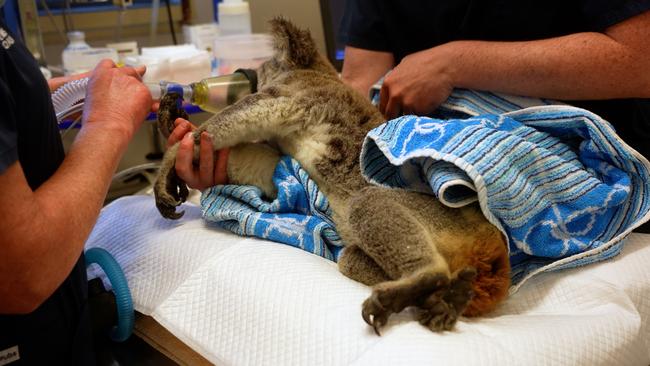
(374, 313)
(170, 196)
(166, 205)
(169, 211)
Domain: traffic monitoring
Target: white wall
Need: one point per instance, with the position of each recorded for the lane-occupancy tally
(304, 13)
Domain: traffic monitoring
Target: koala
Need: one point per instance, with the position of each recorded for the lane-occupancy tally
(412, 250)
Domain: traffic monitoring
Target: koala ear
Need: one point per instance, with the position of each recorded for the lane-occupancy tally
(294, 47)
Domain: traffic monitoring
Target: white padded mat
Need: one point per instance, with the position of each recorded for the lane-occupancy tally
(243, 301)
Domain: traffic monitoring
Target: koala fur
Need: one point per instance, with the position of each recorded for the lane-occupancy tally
(410, 248)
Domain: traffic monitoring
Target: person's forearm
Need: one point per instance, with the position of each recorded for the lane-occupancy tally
(574, 67)
(76, 192)
(362, 68)
(608, 65)
(55, 221)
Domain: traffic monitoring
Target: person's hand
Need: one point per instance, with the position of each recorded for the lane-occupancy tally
(116, 98)
(418, 85)
(55, 83)
(212, 168)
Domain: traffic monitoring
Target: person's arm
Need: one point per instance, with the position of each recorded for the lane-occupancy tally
(44, 231)
(589, 65)
(362, 68)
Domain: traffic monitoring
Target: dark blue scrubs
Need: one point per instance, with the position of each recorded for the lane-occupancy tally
(58, 332)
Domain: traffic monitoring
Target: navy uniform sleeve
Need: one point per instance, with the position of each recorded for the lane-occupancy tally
(8, 136)
(600, 14)
(363, 26)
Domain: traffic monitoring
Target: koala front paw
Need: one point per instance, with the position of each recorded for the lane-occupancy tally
(169, 110)
(170, 191)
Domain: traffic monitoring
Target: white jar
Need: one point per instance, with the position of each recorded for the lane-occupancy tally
(234, 17)
(243, 51)
(70, 57)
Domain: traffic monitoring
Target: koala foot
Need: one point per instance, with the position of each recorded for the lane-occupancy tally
(440, 299)
(440, 311)
(170, 109)
(170, 195)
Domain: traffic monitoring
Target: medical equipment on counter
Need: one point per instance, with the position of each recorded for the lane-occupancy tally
(201, 35)
(124, 49)
(181, 63)
(242, 51)
(234, 17)
(76, 43)
(79, 57)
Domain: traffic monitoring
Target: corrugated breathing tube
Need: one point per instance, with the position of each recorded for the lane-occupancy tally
(68, 95)
(125, 314)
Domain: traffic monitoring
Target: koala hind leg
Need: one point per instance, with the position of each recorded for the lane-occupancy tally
(359, 266)
(390, 232)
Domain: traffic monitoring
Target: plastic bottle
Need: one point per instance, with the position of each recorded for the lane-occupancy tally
(234, 17)
(212, 94)
(71, 60)
(241, 51)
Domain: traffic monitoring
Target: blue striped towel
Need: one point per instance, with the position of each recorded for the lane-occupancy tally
(555, 179)
(300, 215)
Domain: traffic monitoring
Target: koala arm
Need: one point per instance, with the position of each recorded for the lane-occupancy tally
(258, 117)
(254, 164)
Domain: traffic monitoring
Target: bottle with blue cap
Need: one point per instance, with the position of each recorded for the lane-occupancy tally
(214, 93)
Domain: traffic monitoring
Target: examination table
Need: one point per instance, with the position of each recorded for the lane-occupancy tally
(206, 295)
